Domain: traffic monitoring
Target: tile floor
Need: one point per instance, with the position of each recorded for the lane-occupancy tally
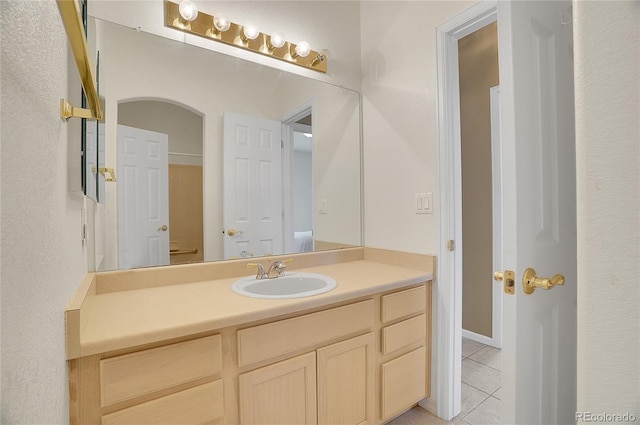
(480, 390)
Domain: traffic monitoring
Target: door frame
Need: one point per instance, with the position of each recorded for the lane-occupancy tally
(288, 121)
(448, 297)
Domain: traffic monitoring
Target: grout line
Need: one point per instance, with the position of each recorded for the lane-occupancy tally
(479, 404)
(480, 363)
(482, 391)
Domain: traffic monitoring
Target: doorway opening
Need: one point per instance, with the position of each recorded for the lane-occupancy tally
(183, 227)
(298, 181)
(450, 262)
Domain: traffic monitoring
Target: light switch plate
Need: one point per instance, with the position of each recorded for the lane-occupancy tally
(424, 203)
(322, 206)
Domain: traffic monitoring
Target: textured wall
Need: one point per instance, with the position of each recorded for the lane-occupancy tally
(43, 260)
(607, 66)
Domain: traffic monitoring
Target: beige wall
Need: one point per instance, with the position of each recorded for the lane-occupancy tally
(607, 66)
(399, 92)
(185, 213)
(478, 67)
(183, 127)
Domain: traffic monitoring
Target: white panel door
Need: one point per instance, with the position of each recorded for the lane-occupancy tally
(252, 186)
(143, 198)
(539, 210)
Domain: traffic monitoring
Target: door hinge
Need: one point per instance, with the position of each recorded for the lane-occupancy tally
(451, 245)
(281, 144)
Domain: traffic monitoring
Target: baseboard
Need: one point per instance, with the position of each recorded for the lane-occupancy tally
(477, 337)
(429, 404)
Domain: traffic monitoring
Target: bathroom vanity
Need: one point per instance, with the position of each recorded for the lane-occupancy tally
(170, 345)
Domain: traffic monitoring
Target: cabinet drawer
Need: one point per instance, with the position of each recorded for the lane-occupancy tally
(273, 339)
(404, 333)
(135, 374)
(404, 303)
(403, 382)
(194, 406)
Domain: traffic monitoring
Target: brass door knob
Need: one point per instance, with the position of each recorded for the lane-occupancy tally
(233, 232)
(530, 281)
(163, 228)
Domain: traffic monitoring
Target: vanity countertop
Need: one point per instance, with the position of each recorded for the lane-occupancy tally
(124, 319)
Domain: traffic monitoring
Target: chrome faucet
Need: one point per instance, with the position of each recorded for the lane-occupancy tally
(261, 273)
(276, 269)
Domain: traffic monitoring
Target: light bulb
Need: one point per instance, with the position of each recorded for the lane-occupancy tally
(277, 40)
(302, 49)
(250, 31)
(188, 10)
(221, 23)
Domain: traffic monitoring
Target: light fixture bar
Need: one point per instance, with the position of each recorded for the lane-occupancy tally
(203, 27)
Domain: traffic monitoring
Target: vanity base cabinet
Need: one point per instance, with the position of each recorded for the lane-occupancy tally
(195, 406)
(403, 382)
(404, 345)
(346, 382)
(171, 384)
(357, 363)
(282, 393)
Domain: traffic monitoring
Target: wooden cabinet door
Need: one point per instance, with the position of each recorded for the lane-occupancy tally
(403, 382)
(282, 393)
(346, 374)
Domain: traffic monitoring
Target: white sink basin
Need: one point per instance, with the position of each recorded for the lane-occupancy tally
(291, 285)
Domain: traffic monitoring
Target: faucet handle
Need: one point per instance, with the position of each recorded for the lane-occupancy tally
(279, 266)
(261, 273)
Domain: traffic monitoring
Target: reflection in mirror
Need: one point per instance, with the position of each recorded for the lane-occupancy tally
(169, 128)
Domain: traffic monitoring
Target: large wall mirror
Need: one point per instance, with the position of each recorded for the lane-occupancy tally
(219, 158)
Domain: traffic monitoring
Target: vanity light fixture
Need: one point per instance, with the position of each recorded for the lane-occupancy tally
(188, 10)
(302, 50)
(323, 56)
(247, 36)
(221, 23)
(249, 32)
(276, 41)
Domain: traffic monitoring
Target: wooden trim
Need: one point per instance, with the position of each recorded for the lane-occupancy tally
(84, 391)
